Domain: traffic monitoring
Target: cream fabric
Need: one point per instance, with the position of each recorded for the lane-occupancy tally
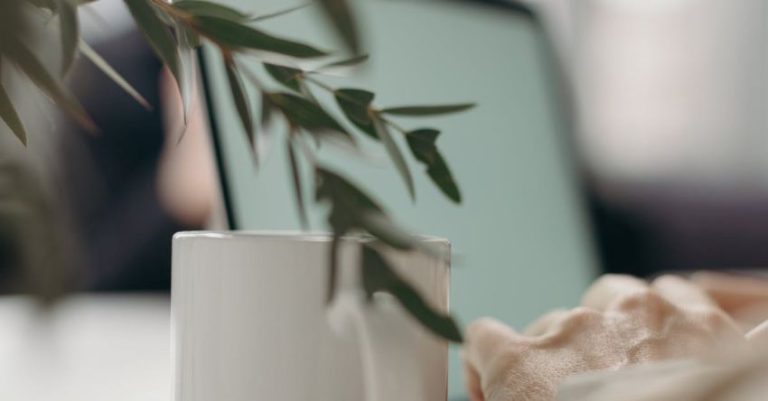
(622, 322)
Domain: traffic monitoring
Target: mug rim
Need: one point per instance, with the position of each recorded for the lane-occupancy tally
(283, 235)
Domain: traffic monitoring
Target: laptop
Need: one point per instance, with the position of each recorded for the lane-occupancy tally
(521, 238)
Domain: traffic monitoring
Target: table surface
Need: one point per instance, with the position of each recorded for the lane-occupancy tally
(88, 348)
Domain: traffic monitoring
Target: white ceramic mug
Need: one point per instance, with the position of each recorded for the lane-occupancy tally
(251, 322)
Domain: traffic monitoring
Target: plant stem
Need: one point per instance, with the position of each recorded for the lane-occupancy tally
(320, 84)
(394, 125)
(169, 9)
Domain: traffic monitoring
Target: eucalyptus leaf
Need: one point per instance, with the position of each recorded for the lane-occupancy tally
(378, 275)
(209, 9)
(188, 42)
(306, 91)
(280, 13)
(107, 69)
(159, 37)
(296, 175)
(381, 227)
(345, 63)
(11, 118)
(340, 14)
(423, 147)
(394, 154)
(441, 175)
(341, 192)
(422, 144)
(351, 209)
(240, 97)
(287, 76)
(308, 115)
(188, 38)
(266, 110)
(237, 35)
(333, 261)
(70, 33)
(34, 69)
(416, 111)
(355, 104)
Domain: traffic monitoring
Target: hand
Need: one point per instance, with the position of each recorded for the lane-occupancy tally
(187, 176)
(622, 321)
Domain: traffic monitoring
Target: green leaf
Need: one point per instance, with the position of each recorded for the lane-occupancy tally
(308, 115)
(266, 110)
(11, 118)
(241, 99)
(206, 8)
(341, 192)
(34, 69)
(306, 91)
(159, 37)
(188, 38)
(236, 35)
(423, 147)
(381, 227)
(340, 15)
(333, 262)
(345, 63)
(296, 174)
(394, 154)
(107, 69)
(355, 104)
(70, 33)
(351, 208)
(287, 76)
(422, 144)
(188, 42)
(416, 111)
(280, 12)
(378, 275)
(441, 175)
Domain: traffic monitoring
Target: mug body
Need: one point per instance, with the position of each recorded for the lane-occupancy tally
(250, 321)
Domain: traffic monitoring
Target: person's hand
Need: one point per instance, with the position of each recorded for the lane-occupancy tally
(622, 321)
(186, 177)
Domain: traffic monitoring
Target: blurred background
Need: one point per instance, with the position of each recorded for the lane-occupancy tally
(611, 136)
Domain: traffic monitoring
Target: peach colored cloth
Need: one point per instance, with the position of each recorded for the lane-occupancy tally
(623, 321)
(739, 376)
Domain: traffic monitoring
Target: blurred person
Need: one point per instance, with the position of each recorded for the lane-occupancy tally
(109, 182)
(706, 351)
(671, 125)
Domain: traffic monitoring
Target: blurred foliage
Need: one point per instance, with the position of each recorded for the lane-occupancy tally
(175, 30)
(32, 252)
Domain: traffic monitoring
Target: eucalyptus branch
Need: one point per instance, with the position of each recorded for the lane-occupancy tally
(325, 86)
(176, 29)
(394, 125)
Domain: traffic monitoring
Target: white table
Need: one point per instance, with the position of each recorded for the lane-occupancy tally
(89, 348)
